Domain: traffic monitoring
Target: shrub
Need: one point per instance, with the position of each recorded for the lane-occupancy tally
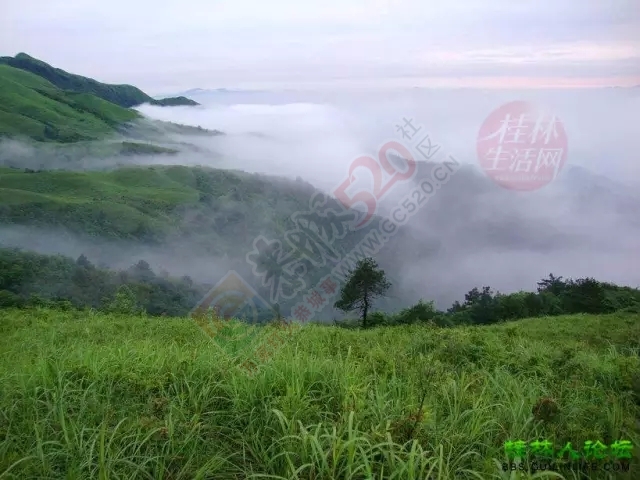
(9, 299)
(420, 312)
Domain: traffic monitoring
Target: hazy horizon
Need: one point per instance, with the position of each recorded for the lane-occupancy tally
(285, 43)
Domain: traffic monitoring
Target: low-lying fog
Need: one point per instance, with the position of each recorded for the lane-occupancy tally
(317, 135)
(581, 225)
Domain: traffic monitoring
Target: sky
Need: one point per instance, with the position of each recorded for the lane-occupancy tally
(165, 46)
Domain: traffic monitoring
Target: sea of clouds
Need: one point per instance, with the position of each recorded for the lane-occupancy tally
(588, 221)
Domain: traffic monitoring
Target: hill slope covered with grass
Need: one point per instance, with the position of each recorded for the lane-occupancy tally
(32, 107)
(122, 95)
(53, 107)
(86, 395)
(225, 208)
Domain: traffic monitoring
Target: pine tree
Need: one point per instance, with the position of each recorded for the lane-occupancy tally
(366, 282)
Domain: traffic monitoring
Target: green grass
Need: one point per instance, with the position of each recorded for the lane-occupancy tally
(120, 95)
(225, 209)
(109, 204)
(32, 107)
(86, 395)
(134, 148)
(44, 104)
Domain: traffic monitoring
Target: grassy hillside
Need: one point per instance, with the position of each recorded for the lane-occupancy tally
(122, 95)
(33, 107)
(173, 102)
(85, 395)
(135, 148)
(225, 209)
(41, 103)
(106, 204)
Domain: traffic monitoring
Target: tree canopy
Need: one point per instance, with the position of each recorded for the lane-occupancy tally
(365, 283)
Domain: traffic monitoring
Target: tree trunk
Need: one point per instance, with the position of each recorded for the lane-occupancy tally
(365, 310)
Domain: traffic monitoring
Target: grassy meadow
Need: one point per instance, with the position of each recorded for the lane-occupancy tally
(89, 395)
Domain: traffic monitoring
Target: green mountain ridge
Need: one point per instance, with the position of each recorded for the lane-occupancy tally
(31, 106)
(46, 105)
(224, 209)
(123, 95)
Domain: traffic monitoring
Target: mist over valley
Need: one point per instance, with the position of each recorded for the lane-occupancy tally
(471, 232)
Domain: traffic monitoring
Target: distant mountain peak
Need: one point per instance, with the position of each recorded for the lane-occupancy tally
(194, 91)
